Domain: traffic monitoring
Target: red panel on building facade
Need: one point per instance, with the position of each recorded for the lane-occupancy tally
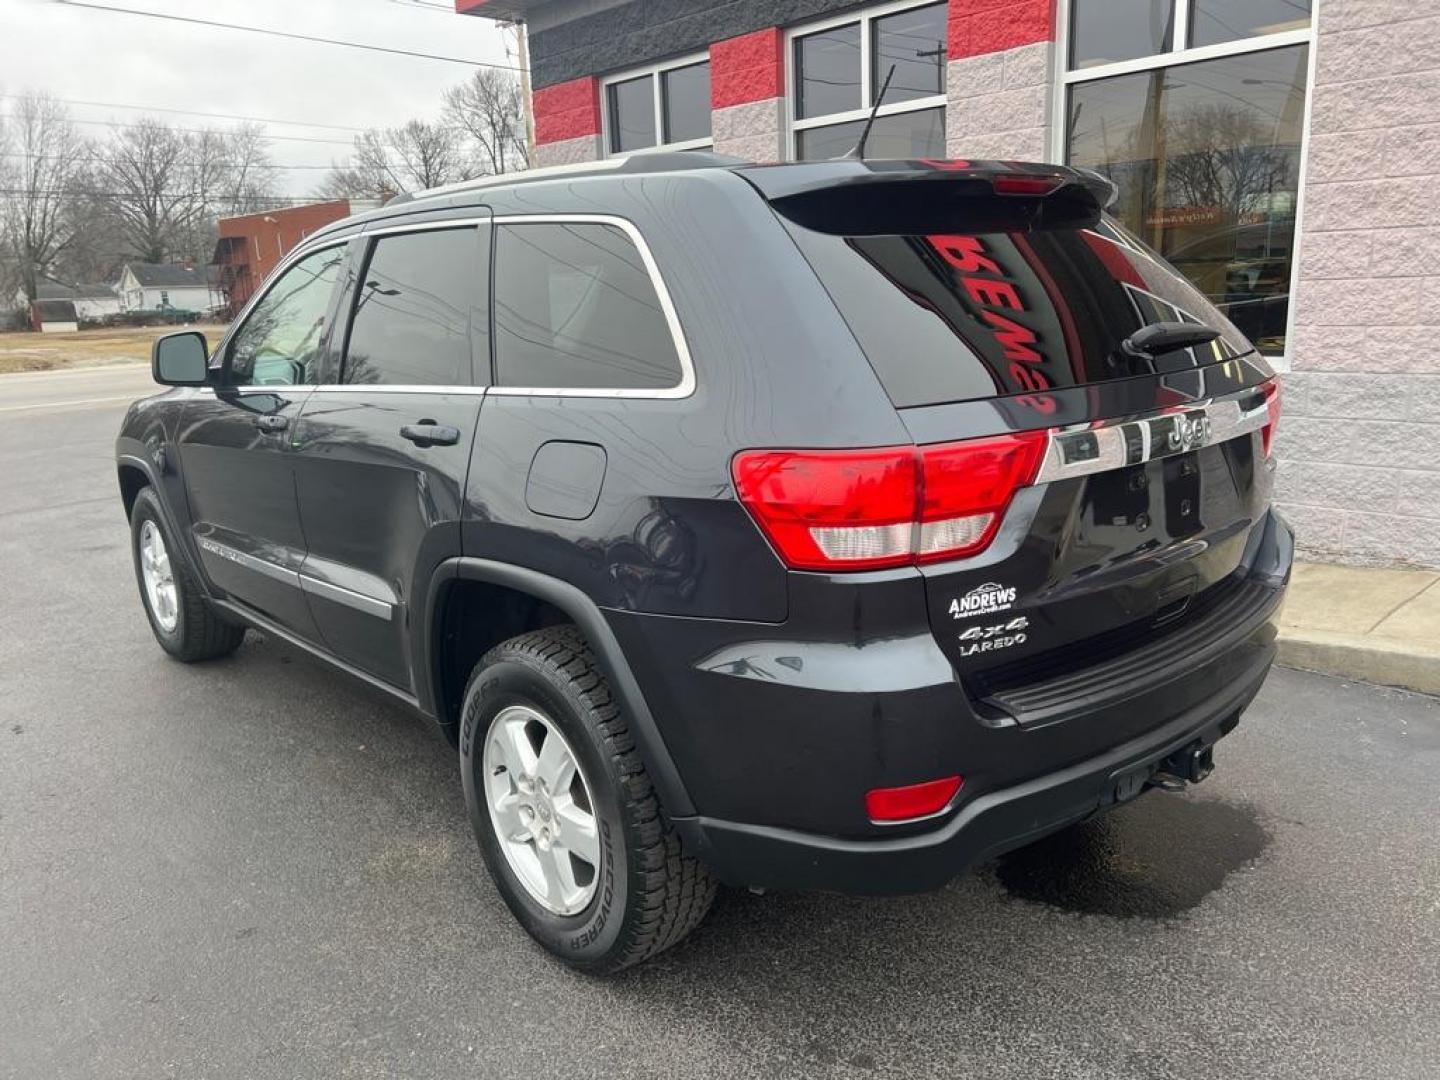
(987, 26)
(567, 110)
(747, 68)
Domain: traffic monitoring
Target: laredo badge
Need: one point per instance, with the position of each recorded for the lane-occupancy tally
(980, 638)
(984, 599)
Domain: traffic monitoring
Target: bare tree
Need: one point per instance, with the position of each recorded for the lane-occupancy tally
(250, 176)
(1222, 156)
(412, 157)
(430, 154)
(36, 222)
(489, 110)
(146, 173)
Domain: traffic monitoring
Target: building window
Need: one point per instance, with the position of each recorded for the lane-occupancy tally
(1196, 109)
(839, 67)
(667, 105)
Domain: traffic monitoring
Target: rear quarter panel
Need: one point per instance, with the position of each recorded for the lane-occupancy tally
(774, 364)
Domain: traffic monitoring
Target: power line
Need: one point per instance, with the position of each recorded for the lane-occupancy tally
(222, 164)
(119, 126)
(292, 200)
(283, 34)
(191, 112)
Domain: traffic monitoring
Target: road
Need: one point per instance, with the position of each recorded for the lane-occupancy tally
(74, 388)
(256, 868)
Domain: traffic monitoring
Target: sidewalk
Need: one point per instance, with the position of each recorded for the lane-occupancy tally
(1379, 626)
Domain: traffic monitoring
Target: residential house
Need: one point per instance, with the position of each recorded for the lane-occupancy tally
(167, 286)
(72, 303)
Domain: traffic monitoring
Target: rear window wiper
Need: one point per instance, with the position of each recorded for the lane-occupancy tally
(1163, 337)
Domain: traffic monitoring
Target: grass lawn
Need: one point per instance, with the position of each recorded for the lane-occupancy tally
(85, 348)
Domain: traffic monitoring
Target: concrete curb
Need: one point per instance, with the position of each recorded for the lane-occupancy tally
(1365, 659)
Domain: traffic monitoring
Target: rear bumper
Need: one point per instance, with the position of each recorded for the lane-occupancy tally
(778, 740)
(991, 824)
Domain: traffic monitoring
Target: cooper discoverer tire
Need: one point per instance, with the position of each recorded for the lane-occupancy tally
(185, 625)
(641, 894)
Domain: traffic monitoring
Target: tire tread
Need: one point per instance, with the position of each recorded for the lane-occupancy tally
(678, 889)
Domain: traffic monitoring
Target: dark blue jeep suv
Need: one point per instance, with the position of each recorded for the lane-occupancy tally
(813, 526)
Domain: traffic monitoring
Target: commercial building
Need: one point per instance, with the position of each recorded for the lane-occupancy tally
(252, 245)
(1284, 154)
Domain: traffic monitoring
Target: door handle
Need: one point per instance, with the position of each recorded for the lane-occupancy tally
(428, 433)
(272, 422)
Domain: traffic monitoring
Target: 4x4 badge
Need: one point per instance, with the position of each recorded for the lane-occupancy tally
(983, 600)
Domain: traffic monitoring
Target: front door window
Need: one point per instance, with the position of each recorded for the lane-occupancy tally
(279, 343)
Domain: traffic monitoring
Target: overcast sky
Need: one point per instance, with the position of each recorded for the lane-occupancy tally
(86, 55)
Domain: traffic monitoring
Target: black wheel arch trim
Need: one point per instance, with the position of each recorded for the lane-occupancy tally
(124, 459)
(587, 615)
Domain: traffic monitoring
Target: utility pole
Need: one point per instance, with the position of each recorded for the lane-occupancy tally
(522, 46)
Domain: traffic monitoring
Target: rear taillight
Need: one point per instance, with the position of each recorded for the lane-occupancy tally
(966, 487)
(869, 509)
(1272, 405)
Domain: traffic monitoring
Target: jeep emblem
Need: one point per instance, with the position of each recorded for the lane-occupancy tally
(1190, 432)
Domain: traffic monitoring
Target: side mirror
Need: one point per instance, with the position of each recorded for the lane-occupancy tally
(180, 359)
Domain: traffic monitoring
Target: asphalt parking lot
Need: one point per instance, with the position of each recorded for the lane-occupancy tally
(256, 868)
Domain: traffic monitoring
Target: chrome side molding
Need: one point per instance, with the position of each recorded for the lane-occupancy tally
(312, 586)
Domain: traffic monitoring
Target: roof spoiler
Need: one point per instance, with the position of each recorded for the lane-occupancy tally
(857, 198)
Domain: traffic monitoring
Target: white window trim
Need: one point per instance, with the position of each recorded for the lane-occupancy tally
(864, 18)
(1182, 53)
(653, 72)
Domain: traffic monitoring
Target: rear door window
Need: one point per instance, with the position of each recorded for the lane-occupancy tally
(419, 298)
(576, 308)
(959, 316)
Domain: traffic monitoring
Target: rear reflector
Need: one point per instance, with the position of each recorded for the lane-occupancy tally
(912, 801)
(896, 506)
(1272, 405)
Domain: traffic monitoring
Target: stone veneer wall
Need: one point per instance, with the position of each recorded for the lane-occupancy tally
(999, 78)
(1359, 439)
(747, 95)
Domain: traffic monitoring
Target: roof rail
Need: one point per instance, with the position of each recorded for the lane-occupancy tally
(654, 161)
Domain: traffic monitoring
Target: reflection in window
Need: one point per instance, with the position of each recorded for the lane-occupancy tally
(841, 71)
(414, 309)
(1214, 21)
(575, 308)
(900, 135)
(1207, 158)
(914, 42)
(632, 114)
(1104, 31)
(277, 345)
(685, 96)
(827, 71)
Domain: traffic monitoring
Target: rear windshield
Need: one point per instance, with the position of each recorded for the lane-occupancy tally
(956, 317)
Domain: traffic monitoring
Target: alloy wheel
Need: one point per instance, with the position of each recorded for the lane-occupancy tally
(158, 577)
(541, 809)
